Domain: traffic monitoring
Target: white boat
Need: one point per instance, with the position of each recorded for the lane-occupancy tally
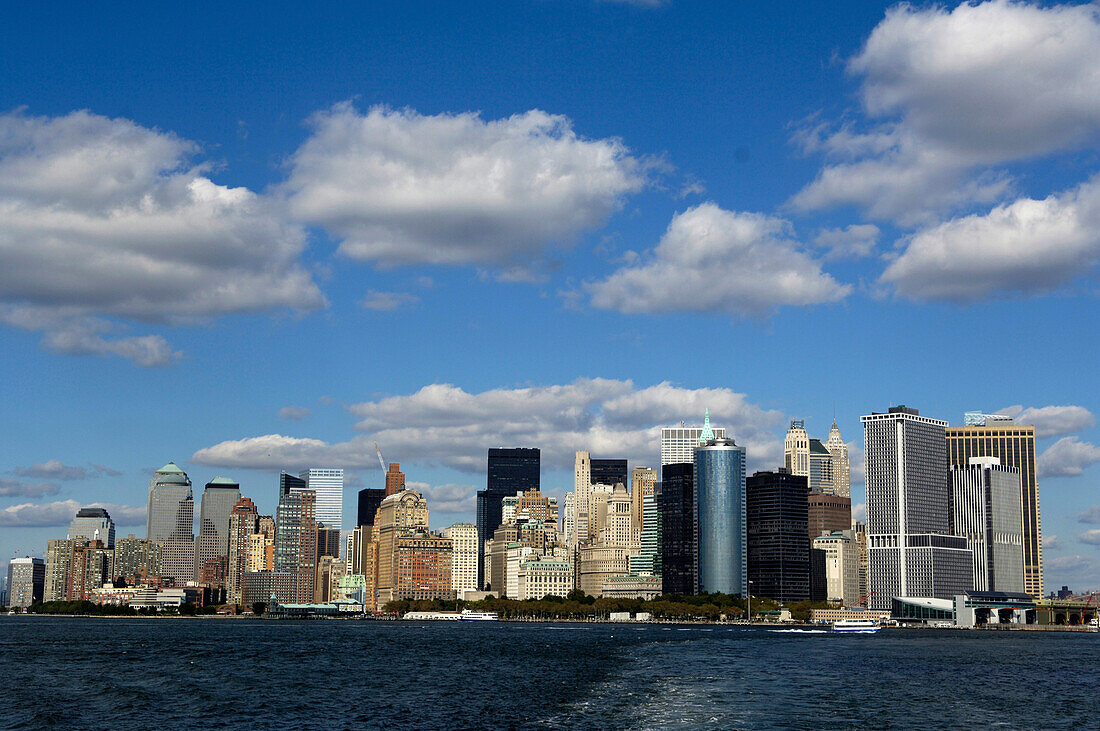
(469, 615)
(855, 626)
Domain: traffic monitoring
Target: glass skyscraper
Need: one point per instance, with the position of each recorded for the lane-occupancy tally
(171, 520)
(218, 499)
(609, 472)
(778, 551)
(676, 503)
(509, 471)
(720, 555)
(328, 483)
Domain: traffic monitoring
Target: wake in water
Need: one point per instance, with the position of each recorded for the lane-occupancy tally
(802, 631)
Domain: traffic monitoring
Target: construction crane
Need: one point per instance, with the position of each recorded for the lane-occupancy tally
(861, 602)
(381, 462)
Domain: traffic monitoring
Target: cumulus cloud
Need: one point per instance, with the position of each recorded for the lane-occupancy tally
(449, 498)
(1068, 563)
(398, 187)
(442, 424)
(1092, 515)
(859, 512)
(293, 413)
(851, 242)
(1067, 457)
(952, 93)
(387, 301)
(713, 260)
(1050, 421)
(19, 488)
(62, 512)
(1024, 247)
(1091, 537)
(103, 218)
(1051, 542)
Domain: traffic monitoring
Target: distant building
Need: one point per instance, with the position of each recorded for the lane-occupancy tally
(986, 510)
(609, 472)
(93, 524)
(171, 521)
(841, 566)
(59, 557)
(296, 543)
(400, 514)
(395, 479)
(776, 524)
(26, 581)
(678, 443)
(509, 471)
(212, 544)
(632, 587)
(422, 567)
(842, 470)
(827, 513)
(648, 560)
(137, 558)
(464, 553)
(544, 576)
(89, 569)
(796, 449)
(328, 485)
(859, 528)
(328, 541)
(821, 468)
(244, 521)
(719, 481)
(369, 500)
(676, 504)
(260, 586)
(643, 481)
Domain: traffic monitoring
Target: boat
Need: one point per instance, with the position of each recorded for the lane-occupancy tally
(469, 615)
(856, 626)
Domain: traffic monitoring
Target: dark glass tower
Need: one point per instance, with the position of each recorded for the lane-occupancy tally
(509, 471)
(369, 500)
(776, 519)
(609, 472)
(676, 504)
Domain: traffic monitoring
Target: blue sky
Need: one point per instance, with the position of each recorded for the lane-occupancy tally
(266, 238)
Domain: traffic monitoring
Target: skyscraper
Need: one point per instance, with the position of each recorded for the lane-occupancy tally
(910, 550)
(137, 558)
(987, 435)
(509, 471)
(328, 484)
(642, 482)
(648, 560)
(821, 468)
(395, 479)
(93, 524)
(582, 489)
(796, 449)
(775, 525)
(296, 543)
(244, 521)
(171, 520)
(676, 502)
(212, 545)
(464, 557)
(678, 443)
(985, 502)
(720, 556)
(827, 513)
(369, 500)
(842, 470)
(399, 514)
(26, 581)
(609, 472)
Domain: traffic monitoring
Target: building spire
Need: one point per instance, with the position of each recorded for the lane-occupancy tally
(708, 433)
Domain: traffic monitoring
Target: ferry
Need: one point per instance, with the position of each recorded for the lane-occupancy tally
(857, 626)
(469, 615)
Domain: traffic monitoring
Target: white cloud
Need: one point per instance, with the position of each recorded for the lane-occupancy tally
(1068, 563)
(1050, 421)
(851, 242)
(398, 187)
(442, 424)
(1024, 247)
(1051, 542)
(1091, 537)
(953, 92)
(53, 469)
(449, 498)
(387, 301)
(19, 488)
(713, 260)
(62, 512)
(293, 413)
(102, 218)
(859, 512)
(1067, 457)
(1092, 515)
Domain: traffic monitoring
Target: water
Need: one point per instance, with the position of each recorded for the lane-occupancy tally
(172, 673)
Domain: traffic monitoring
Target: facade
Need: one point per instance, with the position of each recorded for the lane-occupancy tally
(597, 563)
(400, 514)
(910, 551)
(395, 479)
(137, 558)
(841, 566)
(632, 587)
(59, 557)
(998, 436)
(244, 521)
(171, 521)
(26, 581)
(369, 500)
(93, 524)
(642, 483)
(827, 513)
(422, 567)
(212, 545)
(609, 472)
(260, 586)
(569, 519)
(544, 576)
(508, 471)
(775, 525)
(328, 541)
(328, 485)
(296, 544)
(676, 502)
(841, 469)
(859, 528)
(678, 443)
(720, 555)
(821, 468)
(796, 449)
(648, 560)
(89, 569)
(463, 537)
(582, 491)
(986, 510)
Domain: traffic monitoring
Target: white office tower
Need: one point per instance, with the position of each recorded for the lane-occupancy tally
(678, 443)
(328, 483)
(910, 550)
(569, 523)
(985, 501)
(842, 469)
(464, 561)
(582, 492)
(796, 449)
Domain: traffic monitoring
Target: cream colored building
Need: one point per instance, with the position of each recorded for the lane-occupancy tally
(632, 587)
(540, 577)
(597, 563)
(842, 468)
(841, 566)
(796, 449)
(464, 557)
(643, 481)
(582, 491)
(397, 514)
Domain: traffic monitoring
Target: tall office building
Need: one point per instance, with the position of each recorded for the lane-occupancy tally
(509, 471)
(136, 558)
(678, 443)
(910, 550)
(987, 435)
(400, 514)
(609, 472)
(719, 480)
(328, 541)
(821, 468)
(171, 521)
(296, 543)
(464, 557)
(642, 482)
(244, 521)
(59, 557)
(395, 479)
(648, 560)
(93, 524)
(582, 490)
(841, 559)
(369, 500)
(986, 505)
(841, 469)
(212, 545)
(676, 502)
(328, 484)
(26, 581)
(827, 513)
(776, 519)
(796, 449)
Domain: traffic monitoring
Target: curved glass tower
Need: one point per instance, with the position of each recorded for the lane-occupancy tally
(720, 556)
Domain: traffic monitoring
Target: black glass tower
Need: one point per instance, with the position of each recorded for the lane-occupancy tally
(369, 500)
(509, 471)
(609, 472)
(777, 516)
(676, 505)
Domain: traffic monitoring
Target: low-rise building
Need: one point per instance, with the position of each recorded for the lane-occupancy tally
(544, 576)
(631, 587)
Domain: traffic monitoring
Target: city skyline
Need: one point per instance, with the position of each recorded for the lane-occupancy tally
(251, 318)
